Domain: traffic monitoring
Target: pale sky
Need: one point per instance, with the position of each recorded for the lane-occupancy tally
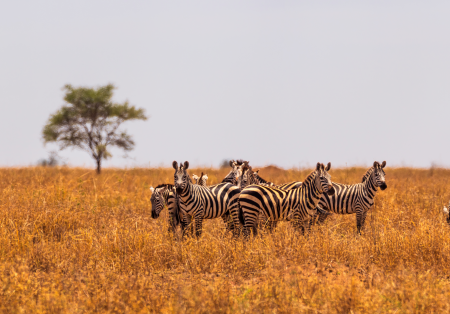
(289, 83)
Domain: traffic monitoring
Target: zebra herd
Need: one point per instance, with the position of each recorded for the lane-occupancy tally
(247, 202)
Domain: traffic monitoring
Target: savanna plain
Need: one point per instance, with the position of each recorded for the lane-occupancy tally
(72, 241)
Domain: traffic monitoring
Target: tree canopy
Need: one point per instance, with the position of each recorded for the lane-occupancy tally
(90, 121)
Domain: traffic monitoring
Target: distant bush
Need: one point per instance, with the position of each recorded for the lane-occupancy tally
(53, 160)
(225, 163)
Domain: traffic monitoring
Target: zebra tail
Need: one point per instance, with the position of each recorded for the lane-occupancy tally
(241, 214)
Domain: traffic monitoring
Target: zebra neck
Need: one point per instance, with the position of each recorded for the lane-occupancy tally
(166, 197)
(312, 193)
(370, 187)
(188, 191)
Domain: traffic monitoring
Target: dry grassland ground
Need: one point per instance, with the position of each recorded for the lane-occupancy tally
(75, 242)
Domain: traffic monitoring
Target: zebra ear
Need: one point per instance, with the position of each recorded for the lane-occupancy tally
(231, 163)
(175, 165)
(152, 189)
(376, 164)
(383, 164)
(318, 166)
(256, 171)
(328, 167)
(186, 165)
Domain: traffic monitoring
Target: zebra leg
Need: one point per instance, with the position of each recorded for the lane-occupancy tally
(319, 218)
(298, 226)
(228, 220)
(186, 225)
(359, 219)
(236, 218)
(172, 225)
(363, 220)
(271, 225)
(198, 225)
(250, 224)
(262, 220)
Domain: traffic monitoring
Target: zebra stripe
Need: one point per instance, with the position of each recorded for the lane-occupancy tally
(200, 202)
(355, 198)
(164, 195)
(233, 175)
(248, 177)
(298, 205)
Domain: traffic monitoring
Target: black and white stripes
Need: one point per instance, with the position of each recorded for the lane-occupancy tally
(200, 202)
(298, 205)
(355, 198)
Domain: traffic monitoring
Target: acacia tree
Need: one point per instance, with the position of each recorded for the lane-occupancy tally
(90, 121)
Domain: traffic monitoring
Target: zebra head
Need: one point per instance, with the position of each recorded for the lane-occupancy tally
(203, 179)
(447, 213)
(157, 199)
(200, 180)
(246, 176)
(242, 174)
(233, 175)
(379, 175)
(181, 177)
(323, 179)
(195, 178)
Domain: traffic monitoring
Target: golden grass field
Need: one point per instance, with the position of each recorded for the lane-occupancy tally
(72, 241)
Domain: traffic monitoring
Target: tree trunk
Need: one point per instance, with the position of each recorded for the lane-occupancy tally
(99, 166)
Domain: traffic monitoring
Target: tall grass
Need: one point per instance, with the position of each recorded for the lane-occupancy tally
(72, 242)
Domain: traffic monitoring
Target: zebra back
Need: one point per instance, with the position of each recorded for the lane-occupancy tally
(276, 204)
(354, 198)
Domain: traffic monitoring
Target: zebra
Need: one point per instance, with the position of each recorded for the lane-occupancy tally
(298, 205)
(247, 177)
(200, 202)
(200, 180)
(356, 198)
(233, 175)
(447, 213)
(165, 195)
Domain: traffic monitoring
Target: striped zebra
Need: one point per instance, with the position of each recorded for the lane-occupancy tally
(247, 177)
(233, 175)
(201, 202)
(355, 198)
(447, 213)
(298, 205)
(165, 195)
(202, 180)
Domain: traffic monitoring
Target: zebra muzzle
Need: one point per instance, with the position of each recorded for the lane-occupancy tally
(383, 186)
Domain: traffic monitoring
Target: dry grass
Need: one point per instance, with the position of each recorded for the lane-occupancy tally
(72, 241)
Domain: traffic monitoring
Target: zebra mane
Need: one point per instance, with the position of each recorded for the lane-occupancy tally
(240, 162)
(367, 174)
(259, 177)
(169, 186)
(227, 180)
(310, 177)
